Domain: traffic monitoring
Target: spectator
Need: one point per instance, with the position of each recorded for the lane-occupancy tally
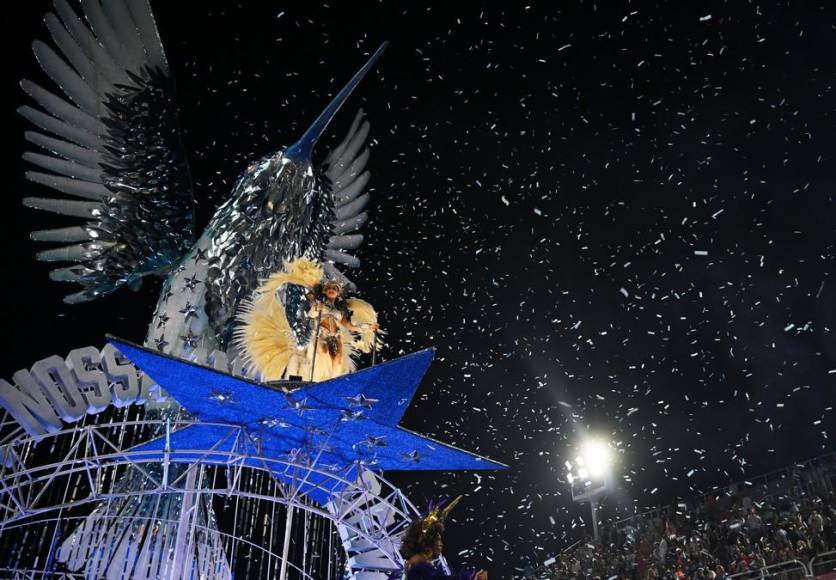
(754, 524)
(816, 523)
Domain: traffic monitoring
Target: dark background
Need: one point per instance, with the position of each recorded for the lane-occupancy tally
(543, 176)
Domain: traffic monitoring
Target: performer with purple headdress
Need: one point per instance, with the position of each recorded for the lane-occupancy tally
(422, 545)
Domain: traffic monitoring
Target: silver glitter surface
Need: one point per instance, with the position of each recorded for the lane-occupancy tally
(280, 209)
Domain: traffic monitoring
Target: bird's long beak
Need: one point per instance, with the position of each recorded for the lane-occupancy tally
(303, 148)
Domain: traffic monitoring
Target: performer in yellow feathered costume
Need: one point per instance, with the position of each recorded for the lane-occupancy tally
(341, 327)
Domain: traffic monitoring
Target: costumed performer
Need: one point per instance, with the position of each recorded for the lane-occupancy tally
(422, 545)
(340, 327)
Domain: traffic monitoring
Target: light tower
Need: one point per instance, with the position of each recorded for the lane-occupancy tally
(590, 477)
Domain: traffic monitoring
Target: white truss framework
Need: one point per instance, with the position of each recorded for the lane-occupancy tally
(369, 513)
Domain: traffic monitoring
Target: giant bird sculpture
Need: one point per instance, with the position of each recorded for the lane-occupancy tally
(111, 144)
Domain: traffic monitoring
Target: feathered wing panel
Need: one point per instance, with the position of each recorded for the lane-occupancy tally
(266, 337)
(111, 145)
(345, 168)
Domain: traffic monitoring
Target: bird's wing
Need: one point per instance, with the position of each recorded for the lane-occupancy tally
(344, 167)
(112, 144)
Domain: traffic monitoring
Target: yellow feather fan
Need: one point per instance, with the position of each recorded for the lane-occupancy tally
(264, 337)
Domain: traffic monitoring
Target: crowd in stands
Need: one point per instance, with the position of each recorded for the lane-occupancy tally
(739, 530)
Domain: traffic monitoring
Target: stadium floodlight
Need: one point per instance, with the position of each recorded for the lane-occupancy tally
(589, 476)
(596, 457)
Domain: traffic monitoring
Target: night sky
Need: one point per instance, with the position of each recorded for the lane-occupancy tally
(613, 219)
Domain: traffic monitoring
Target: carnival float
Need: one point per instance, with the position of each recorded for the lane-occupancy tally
(241, 438)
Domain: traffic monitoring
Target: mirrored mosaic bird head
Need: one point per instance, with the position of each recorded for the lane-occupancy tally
(291, 192)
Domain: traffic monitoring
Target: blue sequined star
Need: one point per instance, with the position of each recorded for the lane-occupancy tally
(309, 418)
(352, 414)
(361, 400)
(190, 284)
(189, 310)
(413, 456)
(372, 441)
